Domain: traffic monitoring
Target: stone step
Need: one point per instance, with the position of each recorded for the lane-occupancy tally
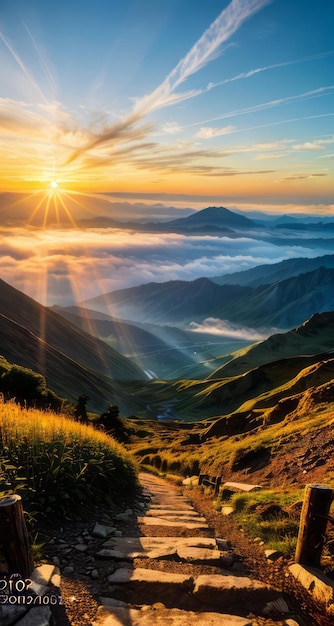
(181, 513)
(180, 505)
(233, 591)
(129, 548)
(171, 517)
(159, 615)
(160, 521)
(151, 580)
(216, 591)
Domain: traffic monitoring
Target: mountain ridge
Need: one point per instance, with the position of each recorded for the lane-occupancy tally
(72, 361)
(282, 304)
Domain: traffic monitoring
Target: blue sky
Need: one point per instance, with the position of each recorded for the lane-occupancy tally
(252, 120)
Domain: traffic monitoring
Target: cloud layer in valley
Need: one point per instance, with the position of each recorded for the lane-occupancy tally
(223, 328)
(63, 266)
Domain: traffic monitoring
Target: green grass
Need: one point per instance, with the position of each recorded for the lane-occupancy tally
(278, 530)
(59, 466)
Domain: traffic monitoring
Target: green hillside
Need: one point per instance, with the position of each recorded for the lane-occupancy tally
(314, 336)
(72, 361)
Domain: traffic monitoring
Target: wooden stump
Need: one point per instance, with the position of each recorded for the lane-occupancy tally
(14, 537)
(313, 522)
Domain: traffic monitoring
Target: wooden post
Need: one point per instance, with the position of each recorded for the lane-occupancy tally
(217, 485)
(14, 537)
(202, 477)
(313, 522)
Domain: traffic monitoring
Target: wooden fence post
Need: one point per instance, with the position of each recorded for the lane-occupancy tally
(313, 522)
(202, 477)
(14, 537)
(217, 485)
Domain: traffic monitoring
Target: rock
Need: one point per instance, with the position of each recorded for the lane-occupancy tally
(94, 574)
(42, 574)
(102, 532)
(158, 614)
(227, 510)
(276, 606)
(81, 547)
(273, 555)
(9, 614)
(122, 517)
(55, 561)
(68, 570)
(55, 580)
(270, 511)
(146, 577)
(235, 591)
(319, 586)
(37, 616)
(118, 533)
(191, 481)
(223, 544)
(116, 555)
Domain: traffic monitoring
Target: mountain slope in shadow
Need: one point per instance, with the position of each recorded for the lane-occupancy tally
(72, 361)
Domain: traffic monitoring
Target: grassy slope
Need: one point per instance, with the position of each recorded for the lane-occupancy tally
(313, 337)
(63, 336)
(58, 465)
(72, 361)
(273, 446)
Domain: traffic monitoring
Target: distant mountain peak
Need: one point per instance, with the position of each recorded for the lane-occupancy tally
(215, 216)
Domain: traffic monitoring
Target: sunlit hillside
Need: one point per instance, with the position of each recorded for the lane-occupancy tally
(58, 465)
(289, 442)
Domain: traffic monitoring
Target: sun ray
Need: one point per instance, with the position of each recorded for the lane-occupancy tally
(46, 212)
(56, 208)
(37, 207)
(67, 211)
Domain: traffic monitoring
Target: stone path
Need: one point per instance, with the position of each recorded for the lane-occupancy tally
(160, 581)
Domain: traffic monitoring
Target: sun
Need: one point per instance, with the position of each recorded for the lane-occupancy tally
(53, 184)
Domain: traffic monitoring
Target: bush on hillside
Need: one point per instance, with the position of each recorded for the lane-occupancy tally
(27, 387)
(59, 466)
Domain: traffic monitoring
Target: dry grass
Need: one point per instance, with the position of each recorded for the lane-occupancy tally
(57, 464)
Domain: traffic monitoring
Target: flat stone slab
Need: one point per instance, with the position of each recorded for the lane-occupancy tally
(241, 486)
(170, 501)
(159, 615)
(238, 591)
(204, 556)
(319, 586)
(177, 517)
(133, 547)
(140, 575)
(160, 521)
(172, 512)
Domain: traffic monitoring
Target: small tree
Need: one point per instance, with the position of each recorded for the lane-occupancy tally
(113, 424)
(80, 411)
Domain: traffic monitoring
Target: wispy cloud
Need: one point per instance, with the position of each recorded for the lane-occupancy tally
(22, 66)
(204, 50)
(266, 68)
(208, 132)
(305, 176)
(270, 104)
(222, 328)
(317, 144)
